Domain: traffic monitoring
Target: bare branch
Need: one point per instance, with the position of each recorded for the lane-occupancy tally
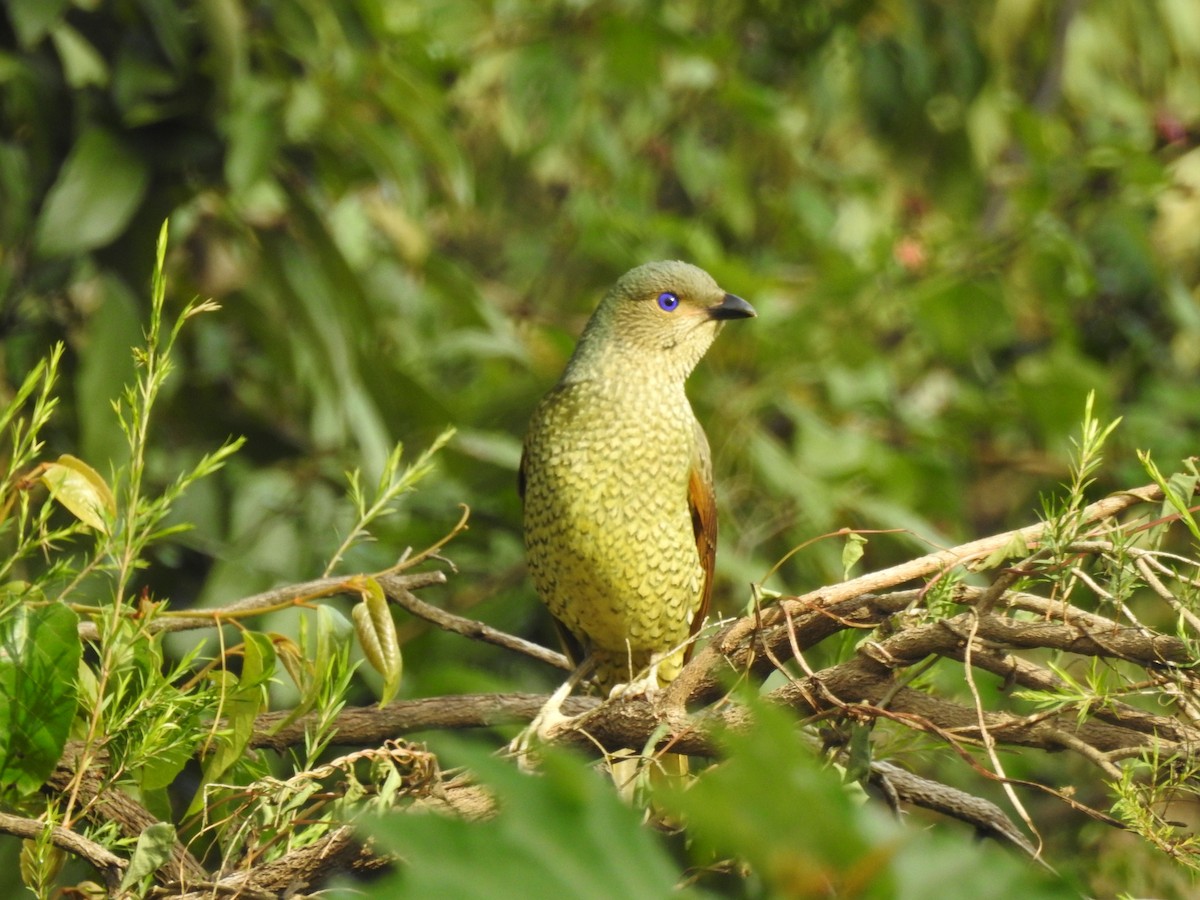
(109, 864)
(102, 803)
(301, 869)
(398, 592)
(994, 632)
(257, 604)
(986, 816)
(367, 725)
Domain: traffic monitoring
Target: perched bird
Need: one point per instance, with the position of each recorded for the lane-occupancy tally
(616, 476)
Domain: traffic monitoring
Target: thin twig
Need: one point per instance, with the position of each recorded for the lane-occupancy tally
(398, 592)
(259, 604)
(1164, 592)
(432, 551)
(989, 742)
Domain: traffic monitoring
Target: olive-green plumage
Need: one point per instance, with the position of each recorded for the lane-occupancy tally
(620, 520)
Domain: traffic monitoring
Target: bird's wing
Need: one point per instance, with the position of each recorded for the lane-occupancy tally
(702, 502)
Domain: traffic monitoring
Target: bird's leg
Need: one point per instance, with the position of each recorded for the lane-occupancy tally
(549, 719)
(635, 774)
(662, 668)
(628, 770)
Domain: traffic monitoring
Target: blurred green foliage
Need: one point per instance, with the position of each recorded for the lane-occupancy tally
(802, 833)
(955, 220)
(522, 850)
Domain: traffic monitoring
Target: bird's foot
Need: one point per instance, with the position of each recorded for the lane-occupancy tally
(548, 721)
(645, 685)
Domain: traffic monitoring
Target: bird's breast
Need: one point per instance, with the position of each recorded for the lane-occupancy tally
(607, 524)
(613, 447)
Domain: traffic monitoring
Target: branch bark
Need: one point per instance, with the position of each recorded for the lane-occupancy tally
(111, 866)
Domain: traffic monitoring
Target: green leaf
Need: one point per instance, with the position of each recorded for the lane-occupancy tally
(99, 187)
(1016, 548)
(773, 804)
(859, 754)
(162, 768)
(310, 662)
(852, 552)
(152, 850)
(242, 701)
(82, 64)
(41, 862)
(39, 655)
(739, 809)
(79, 488)
(1177, 492)
(560, 833)
(333, 633)
(105, 366)
(377, 635)
(258, 660)
(33, 19)
(254, 135)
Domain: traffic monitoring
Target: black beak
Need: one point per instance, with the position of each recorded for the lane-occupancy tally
(732, 307)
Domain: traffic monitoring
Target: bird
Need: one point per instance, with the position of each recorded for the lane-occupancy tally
(619, 513)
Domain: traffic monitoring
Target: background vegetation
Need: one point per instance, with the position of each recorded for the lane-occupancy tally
(955, 220)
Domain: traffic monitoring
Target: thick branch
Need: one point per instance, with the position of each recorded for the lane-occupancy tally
(860, 681)
(301, 869)
(369, 725)
(103, 804)
(109, 864)
(869, 685)
(904, 786)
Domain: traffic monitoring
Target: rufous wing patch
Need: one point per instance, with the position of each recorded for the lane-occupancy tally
(702, 502)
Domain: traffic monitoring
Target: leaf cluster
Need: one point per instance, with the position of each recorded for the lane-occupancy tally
(100, 723)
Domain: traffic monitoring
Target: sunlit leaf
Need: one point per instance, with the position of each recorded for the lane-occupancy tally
(852, 552)
(40, 862)
(1177, 492)
(79, 488)
(311, 660)
(1015, 548)
(376, 630)
(33, 19)
(82, 63)
(242, 699)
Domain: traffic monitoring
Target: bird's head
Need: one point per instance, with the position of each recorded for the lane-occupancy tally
(666, 312)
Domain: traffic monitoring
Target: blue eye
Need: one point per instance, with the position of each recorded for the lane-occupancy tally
(668, 302)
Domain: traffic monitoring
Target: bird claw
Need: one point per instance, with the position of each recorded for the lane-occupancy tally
(549, 720)
(645, 685)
